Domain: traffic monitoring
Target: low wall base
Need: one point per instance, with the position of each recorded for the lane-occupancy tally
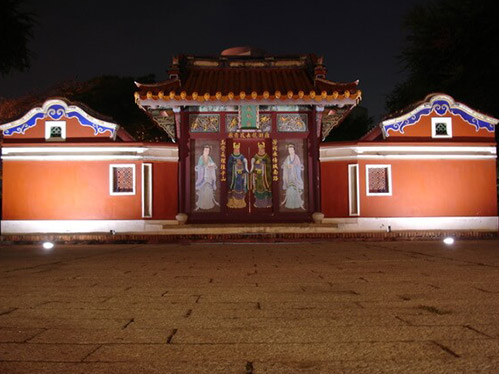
(106, 238)
(83, 226)
(363, 224)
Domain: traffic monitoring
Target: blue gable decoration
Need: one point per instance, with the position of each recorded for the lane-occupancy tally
(440, 104)
(55, 109)
(98, 129)
(21, 129)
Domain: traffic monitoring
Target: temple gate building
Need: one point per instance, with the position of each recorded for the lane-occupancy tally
(247, 133)
(248, 129)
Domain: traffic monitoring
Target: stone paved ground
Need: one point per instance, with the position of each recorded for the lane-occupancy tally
(250, 308)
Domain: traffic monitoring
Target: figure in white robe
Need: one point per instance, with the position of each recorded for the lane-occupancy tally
(293, 184)
(206, 183)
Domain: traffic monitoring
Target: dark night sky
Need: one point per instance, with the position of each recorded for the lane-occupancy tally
(84, 39)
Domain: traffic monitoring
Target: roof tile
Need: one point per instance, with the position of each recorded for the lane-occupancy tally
(288, 79)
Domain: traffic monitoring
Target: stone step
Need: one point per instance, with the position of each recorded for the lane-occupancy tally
(249, 229)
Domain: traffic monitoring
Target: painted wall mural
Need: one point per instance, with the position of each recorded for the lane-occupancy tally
(204, 123)
(237, 177)
(232, 123)
(292, 122)
(206, 180)
(265, 122)
(292, 197)
(249, 116)
(249, 175)
(261, 177)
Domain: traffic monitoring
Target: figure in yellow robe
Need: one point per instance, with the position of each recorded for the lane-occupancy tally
(261, 178)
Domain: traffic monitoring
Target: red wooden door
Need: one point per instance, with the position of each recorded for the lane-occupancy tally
(205, 191)
(258, 197)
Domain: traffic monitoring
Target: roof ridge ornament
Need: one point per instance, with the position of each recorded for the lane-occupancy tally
(319, 69)
(243, 51)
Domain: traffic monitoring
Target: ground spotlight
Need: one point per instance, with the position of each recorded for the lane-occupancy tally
(48, 245)
(449, 241)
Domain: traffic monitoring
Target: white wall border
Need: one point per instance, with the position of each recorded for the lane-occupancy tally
(87, 153)
(371, 224)
(380, 224)
(412, 152)
(83, 226)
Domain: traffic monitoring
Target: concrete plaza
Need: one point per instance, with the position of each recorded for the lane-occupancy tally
(327, 307)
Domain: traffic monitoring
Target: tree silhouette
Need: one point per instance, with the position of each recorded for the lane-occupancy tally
(16, 30)
(451, 47)
(111, 96)
(355, 125)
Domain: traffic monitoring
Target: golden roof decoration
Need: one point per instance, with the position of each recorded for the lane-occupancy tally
(290, 95)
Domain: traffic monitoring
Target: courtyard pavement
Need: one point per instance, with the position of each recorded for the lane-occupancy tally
(327, 307)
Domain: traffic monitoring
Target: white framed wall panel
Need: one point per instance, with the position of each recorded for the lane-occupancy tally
(147, 190)
(52, 124)
(442, 120)
(353, 181)
(111, 179)
(389, 179)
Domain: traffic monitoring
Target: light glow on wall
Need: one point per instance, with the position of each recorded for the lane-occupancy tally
(449, 241)
(48, 245)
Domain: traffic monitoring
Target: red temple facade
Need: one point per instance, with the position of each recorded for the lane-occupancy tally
(247, 131)
(66, 170)
(433, 166)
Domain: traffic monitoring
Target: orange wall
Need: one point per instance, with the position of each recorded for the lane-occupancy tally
(420, 188)
(165, 190)
(423, 128)
(79, 190)
(73, 130)
(334, 189)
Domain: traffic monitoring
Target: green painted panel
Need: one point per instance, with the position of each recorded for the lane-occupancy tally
(249, 116)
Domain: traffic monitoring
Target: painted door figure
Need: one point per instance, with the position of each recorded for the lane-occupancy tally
(293, 183)
(205, 181)
(260, 172)
(237, 177)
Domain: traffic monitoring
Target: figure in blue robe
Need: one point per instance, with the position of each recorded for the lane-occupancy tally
(237, 176)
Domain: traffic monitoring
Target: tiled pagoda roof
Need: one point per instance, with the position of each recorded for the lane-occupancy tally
(232, 78)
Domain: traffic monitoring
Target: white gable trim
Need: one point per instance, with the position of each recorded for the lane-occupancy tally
(55, 109)
(439, 105)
